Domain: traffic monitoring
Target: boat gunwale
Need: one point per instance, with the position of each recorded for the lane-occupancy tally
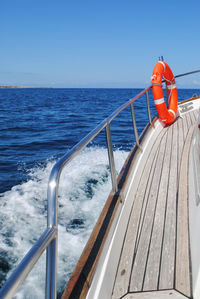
(188, 100)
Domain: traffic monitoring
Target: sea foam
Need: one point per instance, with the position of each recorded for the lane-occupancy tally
(84, 186)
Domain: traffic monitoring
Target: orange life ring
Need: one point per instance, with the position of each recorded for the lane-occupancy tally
(160, 70)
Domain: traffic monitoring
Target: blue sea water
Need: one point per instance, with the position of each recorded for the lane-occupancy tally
(37, 127)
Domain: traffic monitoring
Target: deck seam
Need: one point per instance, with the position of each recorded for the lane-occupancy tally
(143, 209)
(150, 241)
(178, 153)
(184, 208)
(152, 170)
(144, 202)
(133, 206)
(154, 206)
(179, 157)
(189, 117)
(193, 117)
(189, 245)
(166, 206)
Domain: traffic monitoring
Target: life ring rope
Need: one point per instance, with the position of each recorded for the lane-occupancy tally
(167, 115)
(172, 86)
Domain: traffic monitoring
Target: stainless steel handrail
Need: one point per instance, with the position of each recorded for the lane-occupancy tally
(48, 240)
(52, 192)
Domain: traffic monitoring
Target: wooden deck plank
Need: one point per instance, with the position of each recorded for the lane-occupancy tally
(180, 141)
(168, 294)
(189, 120)
(155, 257)
(193, 117)
(185, 126)
(153, 263)
(182, 282)
(124, 268)
(139, 265)
(146, 194)
(196, 113)
(166, 280)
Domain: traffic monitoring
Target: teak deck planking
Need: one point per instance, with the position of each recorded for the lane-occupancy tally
(155, 255)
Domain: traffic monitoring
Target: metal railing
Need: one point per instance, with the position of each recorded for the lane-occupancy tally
(48, 240)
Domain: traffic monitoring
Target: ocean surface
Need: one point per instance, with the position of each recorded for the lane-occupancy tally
(37, 127)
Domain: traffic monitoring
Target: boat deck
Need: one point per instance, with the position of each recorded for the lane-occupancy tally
(155, 258)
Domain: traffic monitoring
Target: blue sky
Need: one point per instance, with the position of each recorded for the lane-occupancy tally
(104, 43)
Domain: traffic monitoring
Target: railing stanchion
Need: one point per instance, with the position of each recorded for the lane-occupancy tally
(148, 107)
(134, 125)
(111, 158)
(51, 271)
(52, 221)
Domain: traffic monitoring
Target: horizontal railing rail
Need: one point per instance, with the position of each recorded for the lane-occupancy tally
(48, 240)
(52, 192)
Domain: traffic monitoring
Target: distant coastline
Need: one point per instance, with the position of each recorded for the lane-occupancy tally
(11, 86)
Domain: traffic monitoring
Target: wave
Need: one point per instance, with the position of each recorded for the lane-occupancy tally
(84, 186)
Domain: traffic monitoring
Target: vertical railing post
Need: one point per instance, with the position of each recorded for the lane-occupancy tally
(111, 158)
(51, 268)
(134, 125)
(52, 220)
(148, 107)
